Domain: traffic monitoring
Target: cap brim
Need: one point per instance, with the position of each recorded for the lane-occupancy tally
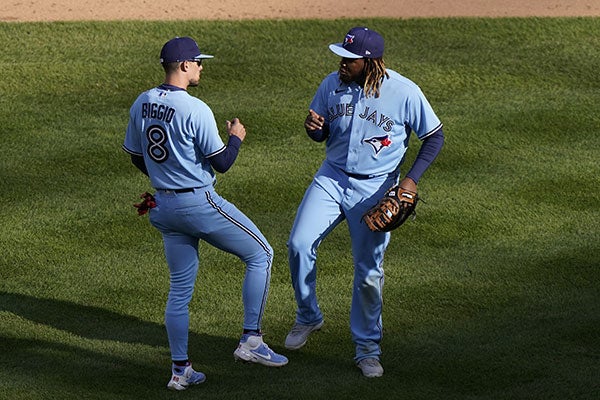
(201, 56)
(342, 52)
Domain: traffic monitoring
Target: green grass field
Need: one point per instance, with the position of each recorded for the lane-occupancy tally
(493, 292)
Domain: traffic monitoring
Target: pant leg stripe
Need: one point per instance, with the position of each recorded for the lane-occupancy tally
(238, 224)
(260, 242)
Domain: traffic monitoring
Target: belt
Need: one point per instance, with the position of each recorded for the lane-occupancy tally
(186, 190)
(359, 176)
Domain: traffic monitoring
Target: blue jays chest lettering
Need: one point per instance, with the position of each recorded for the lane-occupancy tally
(369, 114)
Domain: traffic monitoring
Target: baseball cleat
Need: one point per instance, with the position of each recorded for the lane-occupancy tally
(370, 367)
(253, 349)
(184, 376)
(299, 335)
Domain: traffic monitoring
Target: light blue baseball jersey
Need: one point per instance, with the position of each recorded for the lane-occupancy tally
(369, 136)
(176, 133)
(367, 141)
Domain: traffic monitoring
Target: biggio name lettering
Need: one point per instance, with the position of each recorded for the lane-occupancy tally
(158, 111)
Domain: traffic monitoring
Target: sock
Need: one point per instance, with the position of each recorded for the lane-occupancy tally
(181, 363)
(252, 332)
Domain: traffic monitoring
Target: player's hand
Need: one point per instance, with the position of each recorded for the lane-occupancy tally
(236, 128)
(314, 121)
(408, 184)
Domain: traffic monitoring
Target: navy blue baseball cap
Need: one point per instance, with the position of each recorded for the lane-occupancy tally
(360, 42)
(181, 49)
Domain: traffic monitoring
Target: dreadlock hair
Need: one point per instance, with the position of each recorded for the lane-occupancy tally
(375, 73)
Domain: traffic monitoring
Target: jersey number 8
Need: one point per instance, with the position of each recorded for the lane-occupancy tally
(157, 137)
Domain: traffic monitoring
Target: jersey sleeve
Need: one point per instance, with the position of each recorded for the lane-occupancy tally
(133, 141)
(319, 101)
(422, 119)
(207, 138)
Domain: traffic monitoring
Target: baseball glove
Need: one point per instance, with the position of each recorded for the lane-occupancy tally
(146, 204)
(392, 210)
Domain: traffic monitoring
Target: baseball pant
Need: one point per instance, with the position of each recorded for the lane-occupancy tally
(185, 218)
(332, 197)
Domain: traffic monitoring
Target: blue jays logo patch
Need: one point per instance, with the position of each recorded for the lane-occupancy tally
(349, 39)
(379, 143)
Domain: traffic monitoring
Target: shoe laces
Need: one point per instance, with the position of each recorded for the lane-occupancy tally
(297, 328)
(263, 346)
(370, 362)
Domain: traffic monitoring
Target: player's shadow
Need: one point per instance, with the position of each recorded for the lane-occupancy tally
(84, 321)
(55, 356)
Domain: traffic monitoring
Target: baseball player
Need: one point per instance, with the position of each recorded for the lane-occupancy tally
(173, 138)
(365, 113)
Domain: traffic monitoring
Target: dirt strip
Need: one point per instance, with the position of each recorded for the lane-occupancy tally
(69, 10)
